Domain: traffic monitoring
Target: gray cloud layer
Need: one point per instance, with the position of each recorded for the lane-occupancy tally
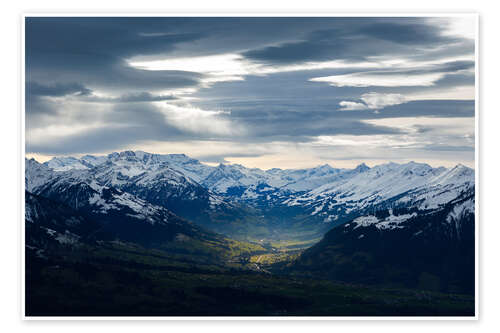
(79, 74)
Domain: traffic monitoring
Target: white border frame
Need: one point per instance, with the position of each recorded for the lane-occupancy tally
(240, 14)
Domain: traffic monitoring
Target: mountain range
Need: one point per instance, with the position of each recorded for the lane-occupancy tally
(222, 197)
(404, 225)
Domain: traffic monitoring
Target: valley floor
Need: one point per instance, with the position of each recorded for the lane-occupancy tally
(118, 280)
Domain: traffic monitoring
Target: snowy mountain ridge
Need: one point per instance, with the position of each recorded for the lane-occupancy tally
(316, 198)
(415, 184)
(247, 184)
(80, 190)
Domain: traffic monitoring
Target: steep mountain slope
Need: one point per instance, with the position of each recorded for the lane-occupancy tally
(119, 222)
(155, 178)
(68, 163)
(233, 181)
(150, 178)
(36, 174)
(49, 224)
(272, 186)
(119, 214)
(430, 249)
(388, 185)
(320, 190)
(112, 214)
(275, 203)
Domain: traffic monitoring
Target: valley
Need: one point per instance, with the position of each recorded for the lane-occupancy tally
(168, 235)
(124, 280)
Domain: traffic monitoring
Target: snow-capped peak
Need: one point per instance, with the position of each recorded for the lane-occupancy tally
(322, 188)
(35, 174)
(361, 168)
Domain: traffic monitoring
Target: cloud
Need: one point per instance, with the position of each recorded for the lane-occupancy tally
(457, 128)
(377, 101)
(466, 92)
(144, 97)
(57, 89)
(374, 79)
(373, 101)
(462, 26)
(221, 67)
(357, 39)
(431, 138)
(411, 74)
(353, 106)
(407, 33)
(116, 126)
(234, 67)
(430, 108)
(132, 98)
(93, 50)
(253, 85)
(198, 121)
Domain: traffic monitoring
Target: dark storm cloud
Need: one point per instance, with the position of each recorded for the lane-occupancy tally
(56, 90)
(433, 108)
(111, 36)
(329, 112)
(293, 130)
(320, 45)
(287, 95)
(304, 124)
(123, 124)
(413, 33)
(36, 106)
(78, 72)
(94, 51)
(452, 66)
(356, 40)
(145, 97)
(116, 77)
(92, 141)
(239, 34)
(129, 123)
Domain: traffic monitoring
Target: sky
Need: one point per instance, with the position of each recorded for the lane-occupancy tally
(285, 92)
